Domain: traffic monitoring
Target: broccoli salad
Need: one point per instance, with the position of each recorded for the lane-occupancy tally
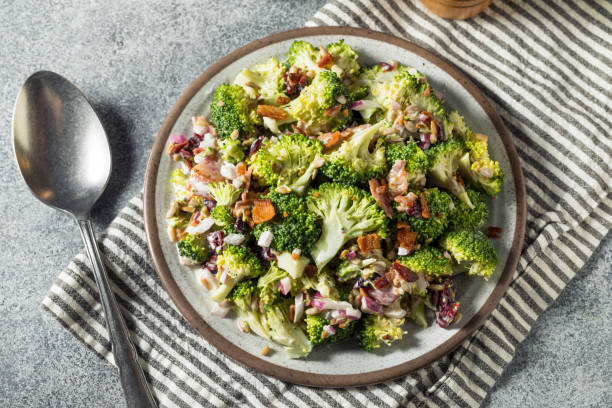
(323, 200)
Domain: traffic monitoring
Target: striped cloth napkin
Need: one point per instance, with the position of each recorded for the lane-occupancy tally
(546, 68)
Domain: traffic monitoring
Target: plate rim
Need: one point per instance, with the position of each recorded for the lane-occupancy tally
(297, 376)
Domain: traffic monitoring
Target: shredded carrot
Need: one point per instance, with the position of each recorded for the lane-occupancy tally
(263, 211)
(424, 210)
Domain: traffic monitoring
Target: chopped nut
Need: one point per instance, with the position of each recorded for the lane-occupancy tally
(271, 112)
(264, 351)
(244, 326)
(283, 189)
(234, 135)
(188, 209)
(172, 210)
(282, 100)
(172, 234)
(205, 283)
(312, 311)
(220, 103)
(324, 334)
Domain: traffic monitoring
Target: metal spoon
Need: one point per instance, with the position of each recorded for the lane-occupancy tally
(64, 157)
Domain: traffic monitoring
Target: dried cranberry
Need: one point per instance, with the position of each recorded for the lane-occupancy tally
(385, 66)
(211, 264)
(241, 226)
(415, 210)
(215, 241)
(446, 308)
(266, 254)
(256, 145)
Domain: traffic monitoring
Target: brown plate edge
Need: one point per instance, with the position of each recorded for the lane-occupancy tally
(287, 374)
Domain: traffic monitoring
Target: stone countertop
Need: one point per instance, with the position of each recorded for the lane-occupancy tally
(132, 60)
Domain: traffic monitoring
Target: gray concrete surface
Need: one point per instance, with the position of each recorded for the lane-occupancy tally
(133, 59)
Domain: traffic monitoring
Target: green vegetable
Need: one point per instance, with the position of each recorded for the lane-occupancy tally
(269, 291)
(193, 247)
(439, 204)
(224, 193)
(375, 330)
(303, 55)
(285, 332)
(347, 270)
(264, 81)
(415, 158)
(242, 290)
(443, 161)
(294, 267)
(347, 213)
(472, 250)
(345, 60)
(241, 295)
(429, 261)
(288, 162)
(241, 263)
(314, 330)
(232, 109)
(311, 107)
(466, 217)
(223, 216)
(353, 162)
(232, 150)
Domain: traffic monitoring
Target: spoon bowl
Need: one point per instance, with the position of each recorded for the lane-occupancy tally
(65, 159)
(61, 147)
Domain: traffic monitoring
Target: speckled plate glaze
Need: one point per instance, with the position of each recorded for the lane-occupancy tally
(344, 364)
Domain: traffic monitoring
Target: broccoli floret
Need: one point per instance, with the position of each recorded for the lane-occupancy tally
(347, 213)
(232, 109)
(443, 159)
(178, 179)
(347, 270)
(264, 81)
(240, 263)
(345, 60)
(483, 174)
(223, 216)
(476, 166)
(439, 205)
(224, 193)
(315, 325)
(232, 150)
(323, 106)
(353, 162)
(193, 247)
(428, 261)
(242, 290)
(303, 55)
(466, 217)
(375, 330)
(285, 332)
(288, 162)
(472, 250)
(415, 158)
(269, 291)
(417, 310)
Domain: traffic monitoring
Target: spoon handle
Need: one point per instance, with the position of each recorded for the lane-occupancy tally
(135, 387)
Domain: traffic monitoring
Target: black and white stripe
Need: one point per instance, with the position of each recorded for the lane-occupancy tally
(546, 69)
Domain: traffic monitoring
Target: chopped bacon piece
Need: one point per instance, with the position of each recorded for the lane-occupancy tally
(325, 58)
(332, 112)
(175, 147)
(405, 203)
(368, 242)
(398, 178)
(378, 192)
(330, 139)
(406, 274)
(263, 211)
(424, 210)
(311, 270)
(282, 100)
(380, 282)
(406, 238)
(271, 112)
(403, 225)
(241, 169)
(209, 169)
(494, 232)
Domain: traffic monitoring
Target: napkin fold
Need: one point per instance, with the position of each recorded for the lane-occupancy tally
(545, 66)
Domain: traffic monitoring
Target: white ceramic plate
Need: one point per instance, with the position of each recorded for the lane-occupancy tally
(342, 364)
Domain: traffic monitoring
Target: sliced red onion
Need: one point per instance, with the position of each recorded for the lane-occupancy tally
(341, 99)
(219, 310)
(363, 104)
(353, 314)
(329, 329)
(322, 303)
(234, 239)
(385, 296)
(299, 307)
(285, 285)
(203, 226)
(174, 138)
(370, 306)
(265, 239)
(336, 313)
(425, 141)
(350, 255)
